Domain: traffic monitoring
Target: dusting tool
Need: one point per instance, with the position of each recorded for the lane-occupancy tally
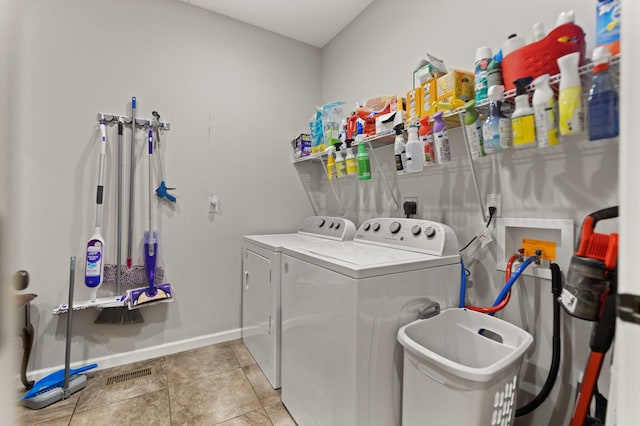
(153, 293)
(162, 190)
(62, 383)
(119, 314)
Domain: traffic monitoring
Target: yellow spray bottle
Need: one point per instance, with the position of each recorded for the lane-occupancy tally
(571, 115)
(331, 163)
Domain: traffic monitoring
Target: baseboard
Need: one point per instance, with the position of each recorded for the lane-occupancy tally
(146, 353)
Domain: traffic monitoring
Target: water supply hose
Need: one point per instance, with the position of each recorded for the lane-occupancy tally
(513, 279)
(505, 301)
(556, 289)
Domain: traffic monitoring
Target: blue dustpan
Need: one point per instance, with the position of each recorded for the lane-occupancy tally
(54, 379)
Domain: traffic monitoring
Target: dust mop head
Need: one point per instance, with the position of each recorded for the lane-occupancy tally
(135, 276)
(149, 296)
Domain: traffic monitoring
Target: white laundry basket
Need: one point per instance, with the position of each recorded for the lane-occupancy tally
(461, 368)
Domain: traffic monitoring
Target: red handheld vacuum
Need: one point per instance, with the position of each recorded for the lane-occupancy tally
(589, 293)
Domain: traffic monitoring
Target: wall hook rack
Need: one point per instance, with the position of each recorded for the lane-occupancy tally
(140, 122)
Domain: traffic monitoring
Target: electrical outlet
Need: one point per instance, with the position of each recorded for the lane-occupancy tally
(410, 200)
(494, 200)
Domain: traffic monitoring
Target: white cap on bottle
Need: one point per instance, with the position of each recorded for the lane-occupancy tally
(538, 31)
(512, 43)
(600, 55)
(566, 17)
(495, 92)
(483, 52)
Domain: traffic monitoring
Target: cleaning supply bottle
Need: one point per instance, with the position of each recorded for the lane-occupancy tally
(545, 110)
(603, 98)
(513, 42)
(570, 97)
(473, 130)
(494, 72)
(483, 56)
(362, 158)
(415, 151)
(427, 140)
(523, 123)
(341, 169)
(441, 138)
(399, 150)
(350, 162)
(331, 164)
(496, 129)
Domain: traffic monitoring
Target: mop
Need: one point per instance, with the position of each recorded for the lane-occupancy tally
(153, 293)
(94, 266)
(62, 383)
(119, 314)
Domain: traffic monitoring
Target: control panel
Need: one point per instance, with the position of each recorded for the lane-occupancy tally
(418, 235)
(335, 228)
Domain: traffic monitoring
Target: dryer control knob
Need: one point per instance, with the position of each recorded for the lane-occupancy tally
(321, 223)
(366, 226)
(416, 230)
(376, 227)
(337, 225)
(331, 225)
(395, 227)
(430, 231)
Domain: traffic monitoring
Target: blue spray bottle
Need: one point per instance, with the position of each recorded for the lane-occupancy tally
(496, 129)
(603, 99)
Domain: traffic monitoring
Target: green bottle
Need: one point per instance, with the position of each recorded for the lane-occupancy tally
(473, 129)
(362, 158)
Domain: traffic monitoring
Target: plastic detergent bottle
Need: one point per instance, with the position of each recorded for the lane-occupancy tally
(415, 151)
(427, 139)
(608, 25)
(496, 129)
(331, 164)
(603, 98)
(362, 158)
(350, 162)
(483, 56)
(399, 150)
(494, 71)
(341, 169)
(523, 123)
(473, 129)
(545, 110)
(441, 138)
(570, 97)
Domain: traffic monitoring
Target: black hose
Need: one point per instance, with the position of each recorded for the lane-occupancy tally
(556, 289)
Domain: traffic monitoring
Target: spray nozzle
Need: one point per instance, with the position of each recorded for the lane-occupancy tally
(521, 85)
(495, 92)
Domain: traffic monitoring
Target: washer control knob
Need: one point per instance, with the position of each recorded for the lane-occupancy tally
(337, 225)
(416, 230)
(395, 227)
(376, 227)
(366, 226)
(331, 225)
(430, 231)
(321, 223)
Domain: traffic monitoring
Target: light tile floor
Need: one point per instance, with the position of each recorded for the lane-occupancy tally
(214, 385)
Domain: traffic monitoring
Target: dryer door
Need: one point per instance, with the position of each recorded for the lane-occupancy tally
(256, 294)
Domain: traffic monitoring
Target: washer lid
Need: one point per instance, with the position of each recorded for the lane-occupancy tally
(358, 260)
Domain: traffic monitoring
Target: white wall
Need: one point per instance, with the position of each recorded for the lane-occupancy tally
(375, 56)
(235, 96)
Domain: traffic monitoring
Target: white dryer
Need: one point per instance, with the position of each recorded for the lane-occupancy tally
(261, 285)
(342, 307)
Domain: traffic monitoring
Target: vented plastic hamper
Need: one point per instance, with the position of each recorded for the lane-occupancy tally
(461, 368)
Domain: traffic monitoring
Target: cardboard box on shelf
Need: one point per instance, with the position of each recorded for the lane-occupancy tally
(454, 89)
(429, 104)
(414, 103)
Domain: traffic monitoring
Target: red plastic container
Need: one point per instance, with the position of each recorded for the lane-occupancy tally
(540, 57)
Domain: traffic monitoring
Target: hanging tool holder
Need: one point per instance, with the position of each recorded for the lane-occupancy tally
(131, 276)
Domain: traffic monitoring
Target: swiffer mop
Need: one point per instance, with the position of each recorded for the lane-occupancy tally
(94, 265)
(62, 383)
(153, 293)
(162, 190)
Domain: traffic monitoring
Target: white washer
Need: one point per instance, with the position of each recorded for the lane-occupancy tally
(342, 307)
(261, 285)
